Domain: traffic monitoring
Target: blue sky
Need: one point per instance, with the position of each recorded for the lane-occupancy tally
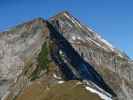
(112, 19)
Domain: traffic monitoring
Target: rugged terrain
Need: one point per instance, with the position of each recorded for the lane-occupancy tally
(62, 59)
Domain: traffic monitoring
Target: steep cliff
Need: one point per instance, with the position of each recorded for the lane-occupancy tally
(61, 59)
(115, 67)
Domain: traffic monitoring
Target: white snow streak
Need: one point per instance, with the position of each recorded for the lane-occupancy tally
(55, 76)
(97, 92)
(73, 38)
(60, 82)
(106, 42)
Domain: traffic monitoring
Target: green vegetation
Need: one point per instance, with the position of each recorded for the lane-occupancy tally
(43, 61)
(35, 74)
(43, 58)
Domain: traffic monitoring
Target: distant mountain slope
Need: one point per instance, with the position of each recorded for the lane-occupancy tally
(61, 58)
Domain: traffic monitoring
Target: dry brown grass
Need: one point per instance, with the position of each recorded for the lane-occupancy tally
(65, 91)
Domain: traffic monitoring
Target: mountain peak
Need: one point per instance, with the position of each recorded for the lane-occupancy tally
(61, 52)
(61, 14)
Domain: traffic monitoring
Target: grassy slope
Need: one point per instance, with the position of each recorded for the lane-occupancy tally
(66, 91)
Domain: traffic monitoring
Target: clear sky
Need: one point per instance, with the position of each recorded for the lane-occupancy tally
(112, 19)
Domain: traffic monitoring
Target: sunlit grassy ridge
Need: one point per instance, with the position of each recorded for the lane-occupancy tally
(66, 91)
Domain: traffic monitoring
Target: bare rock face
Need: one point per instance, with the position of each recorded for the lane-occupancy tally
(36, 56)
(16, 46)
(114, 66)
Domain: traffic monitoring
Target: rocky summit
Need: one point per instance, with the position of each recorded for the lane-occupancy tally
(62, 59)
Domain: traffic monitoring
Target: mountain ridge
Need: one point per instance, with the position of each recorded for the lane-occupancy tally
(28, 42)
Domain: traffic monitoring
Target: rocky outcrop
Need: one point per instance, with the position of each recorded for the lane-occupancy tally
(58, 53)
(17, 47)
(115, 67)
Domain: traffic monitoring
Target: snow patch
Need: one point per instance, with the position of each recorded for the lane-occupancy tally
(69, 18)
(89, 39)
(106, 42)
(79, 38)
(55, 76)
(90, 30)
(97, 92)
(99, 37)
(60, 52)
(73, 38)
(73, 20)
(60, 82)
